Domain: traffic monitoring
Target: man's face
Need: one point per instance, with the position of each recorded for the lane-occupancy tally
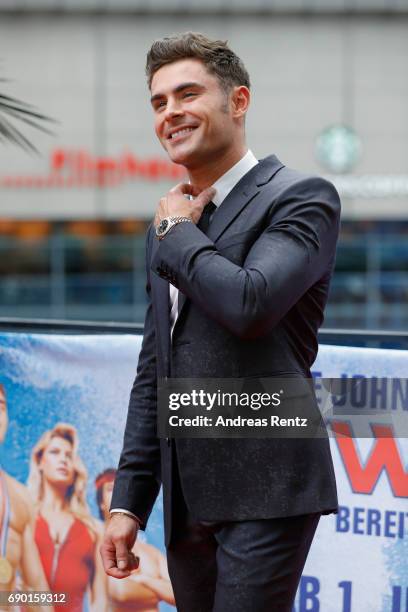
(3, 416)
(192, 113)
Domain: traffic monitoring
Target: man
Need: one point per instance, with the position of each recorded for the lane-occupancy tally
(150, 584)
(245, 283)
(18, 550)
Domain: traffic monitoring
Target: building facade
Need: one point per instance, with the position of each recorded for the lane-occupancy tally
(330, 96)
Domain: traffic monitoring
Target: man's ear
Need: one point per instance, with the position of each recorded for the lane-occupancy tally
(240, 100)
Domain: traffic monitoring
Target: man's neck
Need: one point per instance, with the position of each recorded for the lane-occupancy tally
(206, 175)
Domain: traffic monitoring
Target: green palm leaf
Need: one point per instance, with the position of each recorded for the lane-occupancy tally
(13, 110)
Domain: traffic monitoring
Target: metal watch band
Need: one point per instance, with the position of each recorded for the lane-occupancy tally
(172, 222)
(180, 219)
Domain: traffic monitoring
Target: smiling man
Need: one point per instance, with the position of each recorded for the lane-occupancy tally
(239, 261)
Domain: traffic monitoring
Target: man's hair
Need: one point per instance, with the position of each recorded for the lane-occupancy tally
(2, 390)
(217, 57)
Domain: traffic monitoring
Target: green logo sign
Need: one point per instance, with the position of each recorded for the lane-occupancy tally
(338, 149)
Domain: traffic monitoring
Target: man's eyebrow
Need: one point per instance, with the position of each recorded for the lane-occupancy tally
(177, 89)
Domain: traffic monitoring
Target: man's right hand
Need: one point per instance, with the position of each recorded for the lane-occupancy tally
(116, 550)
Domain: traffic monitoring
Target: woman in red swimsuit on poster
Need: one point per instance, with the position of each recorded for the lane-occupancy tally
(65, 532)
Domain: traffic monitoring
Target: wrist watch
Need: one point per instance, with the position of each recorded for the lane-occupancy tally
(167, 223)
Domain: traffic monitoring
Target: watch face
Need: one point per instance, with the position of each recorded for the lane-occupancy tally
(163, 225)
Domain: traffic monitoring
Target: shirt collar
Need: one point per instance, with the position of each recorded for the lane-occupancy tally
(227, 181)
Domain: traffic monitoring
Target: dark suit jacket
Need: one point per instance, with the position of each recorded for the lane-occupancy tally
(254, 290)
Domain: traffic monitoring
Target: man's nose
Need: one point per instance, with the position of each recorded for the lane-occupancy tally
(173, 109)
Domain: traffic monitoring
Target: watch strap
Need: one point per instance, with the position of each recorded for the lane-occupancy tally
(172, 221)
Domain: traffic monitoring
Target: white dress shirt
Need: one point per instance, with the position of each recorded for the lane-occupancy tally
(223, 186)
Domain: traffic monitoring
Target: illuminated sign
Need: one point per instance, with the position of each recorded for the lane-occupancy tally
(338, 148)
(79, 168)
(369, 186)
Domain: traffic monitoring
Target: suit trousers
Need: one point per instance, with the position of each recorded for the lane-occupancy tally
(236, 566)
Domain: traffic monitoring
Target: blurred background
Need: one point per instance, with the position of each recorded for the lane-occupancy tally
(330, 96)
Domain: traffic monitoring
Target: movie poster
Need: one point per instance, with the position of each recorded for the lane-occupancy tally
(63, 402)
(358, 561)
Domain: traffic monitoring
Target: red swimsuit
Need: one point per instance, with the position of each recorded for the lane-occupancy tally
(68, 567)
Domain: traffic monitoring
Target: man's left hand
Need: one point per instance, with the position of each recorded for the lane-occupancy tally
(175, 203)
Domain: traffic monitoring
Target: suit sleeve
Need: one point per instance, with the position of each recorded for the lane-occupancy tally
(137, 481)
(294, 250)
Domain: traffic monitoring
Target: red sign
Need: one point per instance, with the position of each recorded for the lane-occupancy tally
(79, 168)
(384, 456)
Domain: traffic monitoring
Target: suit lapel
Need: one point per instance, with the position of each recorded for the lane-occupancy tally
(161, 303)
(181, 301)
(235, 201)
(244, 191)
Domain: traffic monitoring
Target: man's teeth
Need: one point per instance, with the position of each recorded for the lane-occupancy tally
(182, 132)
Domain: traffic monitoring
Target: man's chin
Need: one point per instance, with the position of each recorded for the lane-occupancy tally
(181, 158)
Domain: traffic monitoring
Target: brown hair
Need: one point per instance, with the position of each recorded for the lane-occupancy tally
(217, 57)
